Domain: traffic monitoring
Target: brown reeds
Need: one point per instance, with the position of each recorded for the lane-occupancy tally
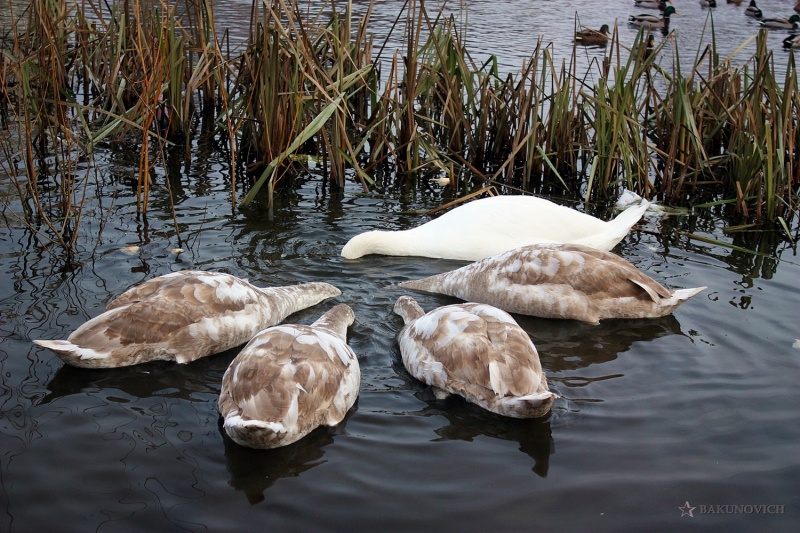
(79, 76)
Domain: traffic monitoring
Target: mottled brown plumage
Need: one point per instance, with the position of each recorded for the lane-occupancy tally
(476, 351)
(182, 316)
(289, 380)
(588, 36)
(558, 281)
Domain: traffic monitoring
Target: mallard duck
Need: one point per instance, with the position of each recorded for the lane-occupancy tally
(558, 281)
(653, 21)
(592, 37)
(792, 41)
(651, 4)
(645, 52)
(488, 226)
(780, 23)
(475, 351)
(289, 380)
(752, 10)
(181, 317)
(797, 6)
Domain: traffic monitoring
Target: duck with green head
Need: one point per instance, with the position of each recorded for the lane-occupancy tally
(653, 21)
(781, 23)
(649, 46)
(792, 41)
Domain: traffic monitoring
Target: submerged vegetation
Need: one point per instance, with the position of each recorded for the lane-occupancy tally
(75, 76)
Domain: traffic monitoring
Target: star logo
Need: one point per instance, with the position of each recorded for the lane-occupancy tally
(687, 509)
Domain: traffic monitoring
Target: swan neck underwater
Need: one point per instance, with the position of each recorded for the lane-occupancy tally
(399, 243)
(336, 321)
(408, 309)
(290, 299)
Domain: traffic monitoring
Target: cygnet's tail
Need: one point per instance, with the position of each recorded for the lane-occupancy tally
(57, 346)
(256, 433)
(678, 297)
(73, 354)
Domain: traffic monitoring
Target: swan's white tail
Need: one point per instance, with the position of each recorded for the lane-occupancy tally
(619, 227)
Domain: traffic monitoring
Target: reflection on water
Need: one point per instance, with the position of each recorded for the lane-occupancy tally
(568, 346)
(467, 421)
(254, 471)
(158, 378)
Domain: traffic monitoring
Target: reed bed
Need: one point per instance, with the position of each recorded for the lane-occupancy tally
(81, 75)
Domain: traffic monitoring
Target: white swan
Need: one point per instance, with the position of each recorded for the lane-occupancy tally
(476, 351)
(289, 380)
(488, 226)
(558, 281)
(181, 317)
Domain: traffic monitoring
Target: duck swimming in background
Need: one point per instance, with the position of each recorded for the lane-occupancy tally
(645, 52)
(752, 10)
(558, 281)
(477, 352)
(481, 228)
(289, 380)
(181, 317)
(780, 23)
(792, 41)
(589, 37)
(653, 21)
(651, 4)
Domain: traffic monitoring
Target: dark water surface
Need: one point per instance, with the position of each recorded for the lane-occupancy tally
(699, 407)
